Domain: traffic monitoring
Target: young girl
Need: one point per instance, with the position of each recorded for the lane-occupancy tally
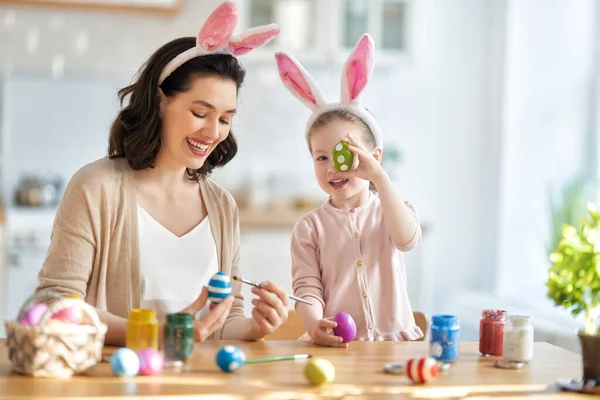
(347, 254)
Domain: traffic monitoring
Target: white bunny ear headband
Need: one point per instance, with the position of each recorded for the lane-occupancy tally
(216, 37)
(355, 76)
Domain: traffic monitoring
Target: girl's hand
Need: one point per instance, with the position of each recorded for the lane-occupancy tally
(213, 320)
(270, 309)
(369, 168)
(322, 334)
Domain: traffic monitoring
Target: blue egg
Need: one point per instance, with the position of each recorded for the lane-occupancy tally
(125, 362)
(219, 287)
(230, 358)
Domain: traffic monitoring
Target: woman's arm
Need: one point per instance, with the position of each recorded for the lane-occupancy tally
(70, 258)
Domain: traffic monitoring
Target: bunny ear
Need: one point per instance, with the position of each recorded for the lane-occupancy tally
(357, 70)
(298, 81)
(252, 39)
(218, 28)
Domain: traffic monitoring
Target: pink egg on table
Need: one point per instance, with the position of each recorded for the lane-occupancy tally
(73, 315)
(33, 314)
(346, 327)
(151, 362)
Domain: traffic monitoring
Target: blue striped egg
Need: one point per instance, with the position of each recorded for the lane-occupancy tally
(219, 287)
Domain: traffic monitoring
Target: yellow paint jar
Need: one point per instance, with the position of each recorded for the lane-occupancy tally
(142, 330)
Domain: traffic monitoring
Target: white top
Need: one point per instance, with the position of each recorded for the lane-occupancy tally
(174, 269)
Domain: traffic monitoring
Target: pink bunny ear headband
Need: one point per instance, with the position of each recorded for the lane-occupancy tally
(355, 76)
(216, 37)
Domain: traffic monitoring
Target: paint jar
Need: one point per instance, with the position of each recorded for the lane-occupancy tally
(142, 330)
(518, 339)
(445, 331)
(491, 332)
(178, 337)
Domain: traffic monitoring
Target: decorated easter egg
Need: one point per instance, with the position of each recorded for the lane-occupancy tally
(73, 315)
(33, 314)
(346, 327)
(342, 157)
(151, 361)
(422, 370)
(125, 362)
(318, 371)
(219, 287)
(230, 358)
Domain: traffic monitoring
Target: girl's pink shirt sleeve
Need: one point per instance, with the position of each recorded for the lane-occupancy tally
(345, 260)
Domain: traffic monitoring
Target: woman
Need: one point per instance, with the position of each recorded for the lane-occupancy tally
(145, 227)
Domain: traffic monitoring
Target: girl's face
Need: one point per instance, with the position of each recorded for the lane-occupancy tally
(196, 121)
(322, 142)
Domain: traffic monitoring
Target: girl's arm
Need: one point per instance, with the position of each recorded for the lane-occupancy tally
(306, 273)
(307, 284)
(400, 220)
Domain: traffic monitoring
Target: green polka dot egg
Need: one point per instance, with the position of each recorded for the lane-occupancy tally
(342, 157)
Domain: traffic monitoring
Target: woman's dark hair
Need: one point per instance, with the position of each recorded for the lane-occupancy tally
(136, 132)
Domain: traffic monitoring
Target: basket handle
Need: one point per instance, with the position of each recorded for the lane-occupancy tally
(34, 299)
(64, 303)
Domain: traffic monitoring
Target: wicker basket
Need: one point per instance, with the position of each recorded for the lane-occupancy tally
(50, 350)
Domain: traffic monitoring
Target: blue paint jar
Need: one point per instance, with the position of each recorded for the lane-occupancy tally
(444, 338)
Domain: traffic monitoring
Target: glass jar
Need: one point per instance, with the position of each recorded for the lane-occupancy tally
(178, 337)
(491, 332)
(142, 330)
(445, 332)
(518, 339)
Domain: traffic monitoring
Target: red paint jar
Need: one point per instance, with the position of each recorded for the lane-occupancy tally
(491, 332)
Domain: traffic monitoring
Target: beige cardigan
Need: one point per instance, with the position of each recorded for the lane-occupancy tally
(94, 244)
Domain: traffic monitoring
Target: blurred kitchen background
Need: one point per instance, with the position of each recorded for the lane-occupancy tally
(488, 107)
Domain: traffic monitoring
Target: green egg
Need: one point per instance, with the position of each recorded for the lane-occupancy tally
(342, 157)
(319, 371)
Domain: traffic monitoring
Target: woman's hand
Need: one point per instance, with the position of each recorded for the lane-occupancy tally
(270, 309)
(322, 334)
(213, 320)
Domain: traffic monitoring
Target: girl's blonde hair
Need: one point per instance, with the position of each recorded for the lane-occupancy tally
(343, 115)
(333, 115)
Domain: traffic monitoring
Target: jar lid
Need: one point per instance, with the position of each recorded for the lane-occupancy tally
(179, 318)
(142, 315)
(493, 314)
(518, 321)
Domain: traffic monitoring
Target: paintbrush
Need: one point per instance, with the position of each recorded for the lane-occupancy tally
(257, 285)
(279, 358)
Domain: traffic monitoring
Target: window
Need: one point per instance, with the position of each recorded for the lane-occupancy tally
(385, 20)
(295, 17)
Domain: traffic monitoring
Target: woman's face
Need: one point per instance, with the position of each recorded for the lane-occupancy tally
(196, 121)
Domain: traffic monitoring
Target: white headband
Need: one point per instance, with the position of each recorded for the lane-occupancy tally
(355, 77)
(216, 37)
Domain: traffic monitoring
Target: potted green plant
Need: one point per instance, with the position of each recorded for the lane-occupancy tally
(574, 283)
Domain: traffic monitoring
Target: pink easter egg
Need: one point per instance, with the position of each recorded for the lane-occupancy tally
(422, 370)
(33, 314)
(73, 315)
(346, 327)
(151, 362)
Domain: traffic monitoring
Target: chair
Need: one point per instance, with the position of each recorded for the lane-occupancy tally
(292, 328)
(423, 323)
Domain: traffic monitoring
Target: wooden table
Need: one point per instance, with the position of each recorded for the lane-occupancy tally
(358, 375)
